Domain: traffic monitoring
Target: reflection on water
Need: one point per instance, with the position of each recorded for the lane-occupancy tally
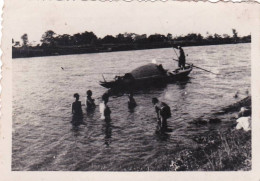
(90, 113)
(76, 121)
(45, 136)
(108, 131)
(162, 135)
(182, 84)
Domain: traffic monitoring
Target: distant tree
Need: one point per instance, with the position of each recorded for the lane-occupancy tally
(217, 36)
(143, 36)
(235, 37)
(157, 38)
(209, 38)
(12, 41)
(179, 38)
(200, 37)
(109, 39)
(120, 38)
(64, 40)
(129, 37)
(226, 36)
(88, 37)
(48, 38)
(78, 39)
(24, 39)
(140, 38)
(84, 38)
(246, 38)
(169, 36)
(191, 37)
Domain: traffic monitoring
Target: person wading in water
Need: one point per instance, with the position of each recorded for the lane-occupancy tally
(90, 102)
(131, 101)
(104, 109)
(76, 106)
(77, 118)
(163, 112)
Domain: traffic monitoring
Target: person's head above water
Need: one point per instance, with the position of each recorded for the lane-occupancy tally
(89, 93)
(105, 97)
(76, 95)
(155, 100)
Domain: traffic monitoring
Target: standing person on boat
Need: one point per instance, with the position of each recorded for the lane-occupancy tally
(131, 101)
(163, 112)
(90, 102)
(104, 109)
(76, 106)
(182, 59)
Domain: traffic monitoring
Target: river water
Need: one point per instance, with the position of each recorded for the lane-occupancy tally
(45, 139)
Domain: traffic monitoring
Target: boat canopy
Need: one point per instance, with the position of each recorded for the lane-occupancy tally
(148, 70)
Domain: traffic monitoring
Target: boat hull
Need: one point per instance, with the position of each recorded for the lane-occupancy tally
(156, 80)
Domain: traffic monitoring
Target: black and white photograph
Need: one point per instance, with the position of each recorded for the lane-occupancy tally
(130, 86)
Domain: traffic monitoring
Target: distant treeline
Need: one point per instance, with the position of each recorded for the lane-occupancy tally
(88, 42)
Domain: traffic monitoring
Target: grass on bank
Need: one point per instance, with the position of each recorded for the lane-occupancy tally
(219, 151)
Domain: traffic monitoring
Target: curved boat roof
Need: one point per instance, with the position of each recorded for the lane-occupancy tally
(147, 70)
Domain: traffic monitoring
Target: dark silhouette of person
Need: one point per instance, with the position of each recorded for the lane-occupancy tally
(131, 101)
(105, 115)
(90, 102)
(104, 109)
(77, 118)
(76, 106)
(163, 113)
(182, 59)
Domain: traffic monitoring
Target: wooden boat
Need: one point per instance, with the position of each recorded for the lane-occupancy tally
(147, 75)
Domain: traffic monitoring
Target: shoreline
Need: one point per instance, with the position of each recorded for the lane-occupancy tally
(29, 52)
(218, 150)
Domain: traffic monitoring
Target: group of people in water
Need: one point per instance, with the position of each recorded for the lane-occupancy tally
(162, 110)
(90, 104)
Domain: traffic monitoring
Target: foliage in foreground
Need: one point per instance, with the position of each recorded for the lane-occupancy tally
(230, 150)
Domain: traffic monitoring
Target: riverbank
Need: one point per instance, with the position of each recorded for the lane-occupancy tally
(219, 150)
(38, 51)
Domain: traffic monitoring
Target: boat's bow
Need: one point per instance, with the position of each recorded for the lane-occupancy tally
(108, 85)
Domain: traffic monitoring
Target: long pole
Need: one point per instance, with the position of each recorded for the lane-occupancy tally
(103, 77)
(175, 52)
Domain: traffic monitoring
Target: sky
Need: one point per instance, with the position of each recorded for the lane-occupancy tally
(111, 18)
